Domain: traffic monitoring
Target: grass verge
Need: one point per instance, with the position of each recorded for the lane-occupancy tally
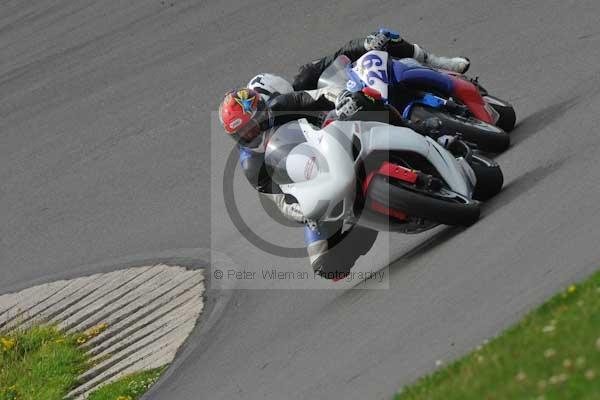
(552, 354)
(130, 387)
(43, 363)
(39, 363)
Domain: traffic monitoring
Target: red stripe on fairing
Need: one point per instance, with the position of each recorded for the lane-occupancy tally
(468, 93)
(398, 172)
(391, 170)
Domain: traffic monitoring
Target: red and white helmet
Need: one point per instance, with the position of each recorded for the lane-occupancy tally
(246, 117)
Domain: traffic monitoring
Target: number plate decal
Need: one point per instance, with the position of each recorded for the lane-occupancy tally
(372, 70)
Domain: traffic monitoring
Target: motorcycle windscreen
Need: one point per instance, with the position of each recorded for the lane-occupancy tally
(289, 158)
(335, 75)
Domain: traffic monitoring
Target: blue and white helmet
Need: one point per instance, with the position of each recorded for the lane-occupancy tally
(269, 85)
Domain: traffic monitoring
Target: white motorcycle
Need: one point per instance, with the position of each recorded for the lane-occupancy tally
(379, 176)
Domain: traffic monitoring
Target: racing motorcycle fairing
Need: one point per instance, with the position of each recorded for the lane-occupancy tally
(469, 94)
(319, 170)
(370, 71)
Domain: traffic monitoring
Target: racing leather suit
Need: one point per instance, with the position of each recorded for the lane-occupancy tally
(331, 250)
(308, 75)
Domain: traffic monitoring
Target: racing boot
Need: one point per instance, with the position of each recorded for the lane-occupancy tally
(321, 239)
(456, 64)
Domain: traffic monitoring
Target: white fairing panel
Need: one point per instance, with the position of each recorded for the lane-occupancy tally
(332, 179)
(323, 168)
(301, 163)
(388, 137)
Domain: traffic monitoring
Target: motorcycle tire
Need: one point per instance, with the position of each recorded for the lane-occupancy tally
(446, 208)
(507, 117)
(486, 137)
(489, 177)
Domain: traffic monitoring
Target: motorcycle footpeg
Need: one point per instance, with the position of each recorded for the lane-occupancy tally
(456, 108)
(459, 148)
(429, 182)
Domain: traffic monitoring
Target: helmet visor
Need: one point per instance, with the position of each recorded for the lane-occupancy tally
(248, 133)
(252, 133)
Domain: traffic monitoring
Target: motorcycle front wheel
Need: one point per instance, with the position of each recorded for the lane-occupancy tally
(489, 177)
(443, 207)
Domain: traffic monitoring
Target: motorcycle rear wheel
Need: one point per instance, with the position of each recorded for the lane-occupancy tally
(507, 116)
(486, 137)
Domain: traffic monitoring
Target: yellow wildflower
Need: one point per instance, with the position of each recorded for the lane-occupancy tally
(81, 340)
(571, 289)
(7, 343)
(124, 398)
(96, 330)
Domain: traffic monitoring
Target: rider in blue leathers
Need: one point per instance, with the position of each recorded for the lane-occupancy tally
(385, 40)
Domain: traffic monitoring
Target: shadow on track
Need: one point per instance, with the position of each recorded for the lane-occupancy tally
(540, 119)
(520, 186)
(511, 191)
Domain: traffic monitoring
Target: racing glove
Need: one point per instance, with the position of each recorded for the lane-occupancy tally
(376, 41)
(348, 104)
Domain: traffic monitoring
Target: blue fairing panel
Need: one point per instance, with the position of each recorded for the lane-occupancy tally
(428, 99)
(411, 73)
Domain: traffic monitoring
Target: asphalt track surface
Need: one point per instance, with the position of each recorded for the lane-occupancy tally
(105, 160)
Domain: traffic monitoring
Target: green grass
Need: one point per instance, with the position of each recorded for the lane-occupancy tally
(44, 363)
(130, 387)
(552, 354)
(39, 363)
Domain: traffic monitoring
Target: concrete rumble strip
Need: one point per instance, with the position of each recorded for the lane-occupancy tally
(149, 310)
